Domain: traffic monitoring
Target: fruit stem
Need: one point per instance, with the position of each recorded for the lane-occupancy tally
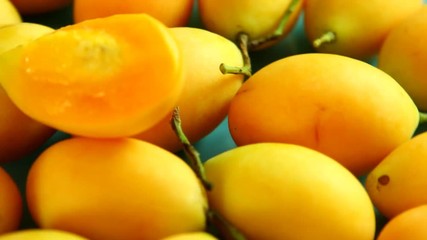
(198, 167)
(246, 69)
(280, 30)
(226, 69)
(219, 221)
(327, 37)
(189, 150)
(423, 118)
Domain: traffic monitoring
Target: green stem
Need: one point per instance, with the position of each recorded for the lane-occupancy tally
(327, 37)
(191, 153)
(197, 166)
(246, 44)
(423, 118)
(246, 70)
(226, 69)
(281, 28)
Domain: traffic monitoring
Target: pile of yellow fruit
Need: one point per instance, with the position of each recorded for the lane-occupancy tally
(312, 112)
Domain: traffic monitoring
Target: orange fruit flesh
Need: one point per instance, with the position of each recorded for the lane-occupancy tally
(101, 78)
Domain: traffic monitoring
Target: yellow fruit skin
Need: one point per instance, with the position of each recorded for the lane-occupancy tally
(207, 92)
(40, 234)
(409, 224)
(114, 189)
(399, 182)
(191, 236)
(403, 55)
(175, 13)
(254, 17)
(283, 191)
(19, 134)
(360, 26)
(11, 203)
(8, 13)
(17, 34)
(334, 104)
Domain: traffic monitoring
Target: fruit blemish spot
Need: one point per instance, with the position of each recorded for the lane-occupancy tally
(384, 180)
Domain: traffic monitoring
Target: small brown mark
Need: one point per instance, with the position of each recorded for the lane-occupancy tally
(384, 180)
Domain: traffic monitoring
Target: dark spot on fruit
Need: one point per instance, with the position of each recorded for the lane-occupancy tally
(384, 180)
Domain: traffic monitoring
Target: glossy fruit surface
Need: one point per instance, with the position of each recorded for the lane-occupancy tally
(256, 18)
(403, 55)
(11, 204)
(98, 78)
(191, 236)
(174, 13)
(360, 27)
(398, 182)
(19, 134)
(20, 33)
(91, 187)
(40, 234)
(331, 103)
(207, 92)
(409, 224)
(8, 13)
(285, 191)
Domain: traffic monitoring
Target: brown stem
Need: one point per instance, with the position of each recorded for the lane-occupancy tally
(191, 153)
(280, 30)
(221, 223)
(197, 165)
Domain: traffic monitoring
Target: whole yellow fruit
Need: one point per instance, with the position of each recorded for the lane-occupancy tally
(207, 92)
(337, 105)
(114, 189)
(284, 191)
(399, 181)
